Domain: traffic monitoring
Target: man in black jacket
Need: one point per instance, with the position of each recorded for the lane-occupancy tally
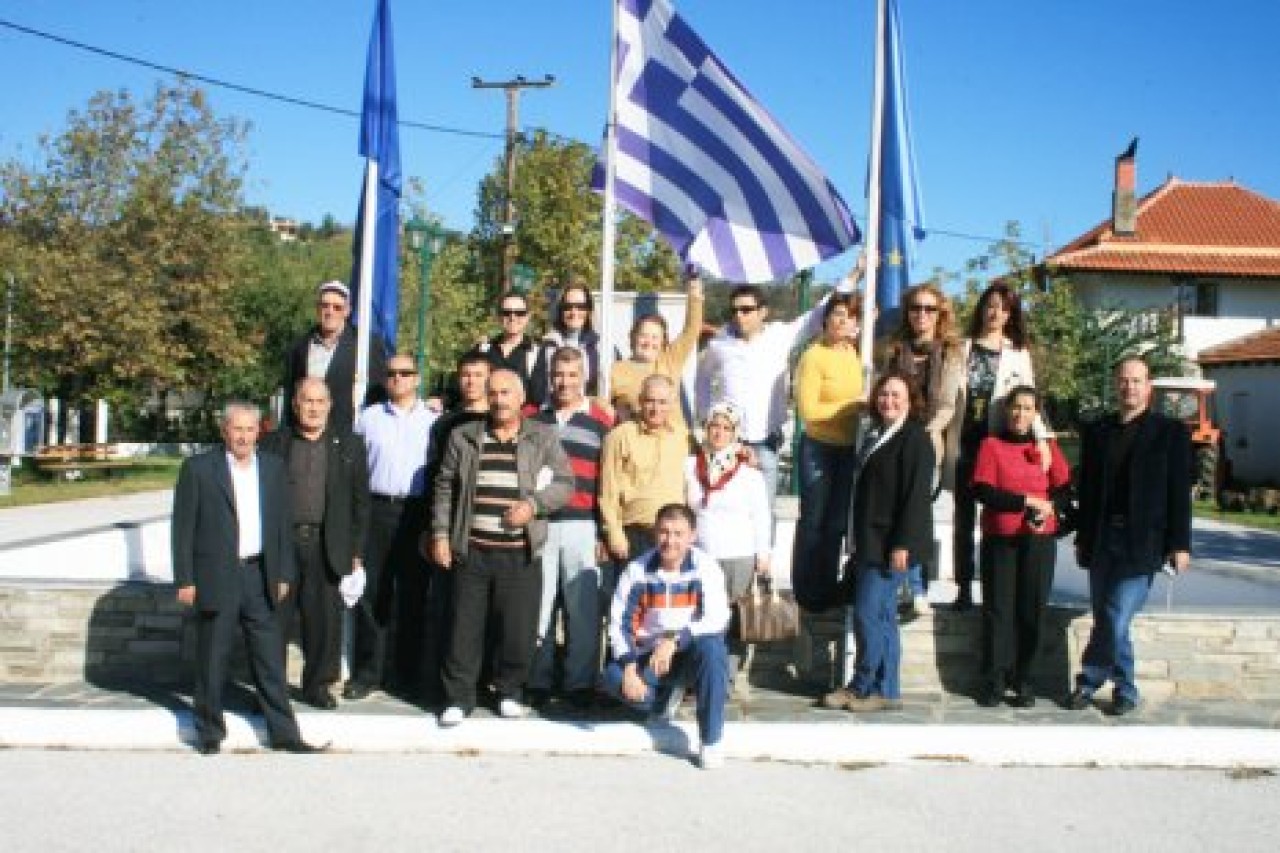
(328, 352)
(233, 564)
(329, 492)
(1135, 515)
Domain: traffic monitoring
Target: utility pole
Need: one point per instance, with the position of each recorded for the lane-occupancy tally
(512, 90)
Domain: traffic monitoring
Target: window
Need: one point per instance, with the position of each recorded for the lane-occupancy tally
(1206, 304)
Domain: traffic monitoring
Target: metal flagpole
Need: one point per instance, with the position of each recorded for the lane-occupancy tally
(609, 216)
(873, 199)
(364, 300)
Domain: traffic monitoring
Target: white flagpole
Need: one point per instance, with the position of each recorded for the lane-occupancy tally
(609, 214)
(873, 200)
(364, 303)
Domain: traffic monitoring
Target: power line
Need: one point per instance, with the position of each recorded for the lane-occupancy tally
(414, 125)
(237, 87)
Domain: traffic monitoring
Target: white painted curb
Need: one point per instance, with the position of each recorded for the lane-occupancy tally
(817, 743)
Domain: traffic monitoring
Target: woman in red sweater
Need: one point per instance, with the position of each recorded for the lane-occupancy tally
(1018, 547)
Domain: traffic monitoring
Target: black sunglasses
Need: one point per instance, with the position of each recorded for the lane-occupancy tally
(515, 312)
(574, 306)
(402, 373)
(745, 309)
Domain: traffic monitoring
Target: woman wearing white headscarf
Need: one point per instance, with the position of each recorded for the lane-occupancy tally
(731, 502)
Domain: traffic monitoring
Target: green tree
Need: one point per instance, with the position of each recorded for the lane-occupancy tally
(128, 248)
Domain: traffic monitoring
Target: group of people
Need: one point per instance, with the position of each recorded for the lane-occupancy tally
(456, 537)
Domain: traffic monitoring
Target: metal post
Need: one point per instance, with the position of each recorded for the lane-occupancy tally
(803, 298)
(8, 329)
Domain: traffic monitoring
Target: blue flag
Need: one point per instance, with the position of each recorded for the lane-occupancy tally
(899, 197)
(380, 142)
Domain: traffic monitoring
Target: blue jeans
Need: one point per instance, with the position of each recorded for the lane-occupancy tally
(702, 665)
(569, 572)
(875, 625)
(1116, 598)
(825, 472)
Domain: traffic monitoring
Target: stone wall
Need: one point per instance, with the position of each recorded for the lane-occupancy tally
(135, 632)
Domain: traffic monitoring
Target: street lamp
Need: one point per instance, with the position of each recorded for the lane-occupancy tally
(427, 238)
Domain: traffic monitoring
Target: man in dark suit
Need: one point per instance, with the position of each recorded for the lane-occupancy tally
(329, 493)
(233, 564)
(328, 352)
(1135, 515)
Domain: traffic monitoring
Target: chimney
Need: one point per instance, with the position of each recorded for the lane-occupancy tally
(1124, 200)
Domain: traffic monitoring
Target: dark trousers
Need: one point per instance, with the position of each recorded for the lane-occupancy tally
(395, 594)
(1017, 574)
(215, 635)
(318, 605)
(503, 586)
(966, 515)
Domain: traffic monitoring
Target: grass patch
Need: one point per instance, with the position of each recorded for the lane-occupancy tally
(1256, 520)
(30, 487)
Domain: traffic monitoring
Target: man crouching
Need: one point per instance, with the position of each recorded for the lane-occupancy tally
(666, 629)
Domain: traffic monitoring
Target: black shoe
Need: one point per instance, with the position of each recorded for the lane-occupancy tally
(1122, 705)
(988, 697)
(537, 698)
(355, 691)
(1079, 700)
(1023, 697)
(321, 699)
(963, 602)
(208, 747)
(582, 699)
(299, 747)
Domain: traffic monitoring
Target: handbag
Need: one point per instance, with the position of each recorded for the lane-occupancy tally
(766, 614)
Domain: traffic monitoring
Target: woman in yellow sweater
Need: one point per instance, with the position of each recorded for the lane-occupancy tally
(829, 399)
(653, 352)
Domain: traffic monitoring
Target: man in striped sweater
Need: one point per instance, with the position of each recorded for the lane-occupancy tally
(570, 565)
(666, 628)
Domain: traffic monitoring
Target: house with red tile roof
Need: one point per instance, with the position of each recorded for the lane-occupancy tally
(1247, 373)
(1208, 252)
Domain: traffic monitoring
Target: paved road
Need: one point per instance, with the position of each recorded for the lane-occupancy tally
(105, 801)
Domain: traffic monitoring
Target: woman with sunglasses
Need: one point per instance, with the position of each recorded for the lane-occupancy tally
(652, 352)
(572, 327)
(996, 360)
(1015, 482)
(926, 350)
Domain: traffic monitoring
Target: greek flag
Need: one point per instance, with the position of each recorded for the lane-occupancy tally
(706, 165)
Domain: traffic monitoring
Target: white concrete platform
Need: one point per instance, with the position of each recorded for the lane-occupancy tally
(810, 743)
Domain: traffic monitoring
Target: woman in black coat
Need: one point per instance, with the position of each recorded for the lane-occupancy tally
(891, 526)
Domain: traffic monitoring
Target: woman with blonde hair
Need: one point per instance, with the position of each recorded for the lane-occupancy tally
(652, 351)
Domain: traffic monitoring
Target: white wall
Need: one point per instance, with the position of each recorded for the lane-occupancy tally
(1251, 445)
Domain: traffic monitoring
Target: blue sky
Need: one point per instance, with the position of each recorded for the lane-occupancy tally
(1019, 108)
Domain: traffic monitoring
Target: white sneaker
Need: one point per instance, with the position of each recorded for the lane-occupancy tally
(711, 756)
(452, 716)
(511, 709)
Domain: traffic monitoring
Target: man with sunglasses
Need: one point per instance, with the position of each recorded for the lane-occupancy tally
(513, 349)
(328, 352)
(396, 434)
(747, 364)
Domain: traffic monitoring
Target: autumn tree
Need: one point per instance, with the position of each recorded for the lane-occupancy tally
(127, 248)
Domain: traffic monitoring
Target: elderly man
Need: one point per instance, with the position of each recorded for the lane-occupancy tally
(233, 564)
(570, 560)
(329, 492)
(1135, 515)
(666, 628)
(396, 435)
(328, 352)
(499, 481)
(641, 470)
(513, 349)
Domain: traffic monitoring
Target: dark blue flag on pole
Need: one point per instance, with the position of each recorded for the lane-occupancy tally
(900, 208)
(380, 144)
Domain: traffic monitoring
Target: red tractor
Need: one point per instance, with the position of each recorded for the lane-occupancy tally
(1191, 401)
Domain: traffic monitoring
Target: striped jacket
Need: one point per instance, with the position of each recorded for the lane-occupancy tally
(650, 603)
(582, 437)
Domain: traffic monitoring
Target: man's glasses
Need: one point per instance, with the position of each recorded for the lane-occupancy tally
(402, 373)
(923, 309)
(745, 309)
(515, 312)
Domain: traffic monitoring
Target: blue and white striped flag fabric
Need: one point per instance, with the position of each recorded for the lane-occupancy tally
(707, 166)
